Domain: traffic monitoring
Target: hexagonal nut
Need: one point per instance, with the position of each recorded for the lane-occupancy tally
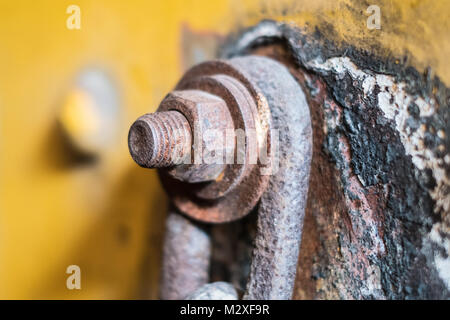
(210, 122)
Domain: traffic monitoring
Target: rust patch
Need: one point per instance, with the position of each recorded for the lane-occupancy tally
(377, 195)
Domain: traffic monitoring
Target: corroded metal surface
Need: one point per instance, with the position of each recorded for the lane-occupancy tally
(281, 211)
(376, 222)
(186, 257)
(209, 120)
(240, 186)
(224, 119)
(153, 138)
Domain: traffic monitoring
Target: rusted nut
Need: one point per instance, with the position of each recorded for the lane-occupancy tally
(165, 139)
(210, 120)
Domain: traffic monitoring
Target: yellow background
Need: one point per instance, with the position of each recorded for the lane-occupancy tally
(108, 216)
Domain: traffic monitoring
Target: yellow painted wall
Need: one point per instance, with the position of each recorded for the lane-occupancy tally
(107, 216)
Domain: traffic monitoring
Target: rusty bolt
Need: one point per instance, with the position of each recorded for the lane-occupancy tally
(282, 204)
(186, 135)
(160, 140)
(211, 97)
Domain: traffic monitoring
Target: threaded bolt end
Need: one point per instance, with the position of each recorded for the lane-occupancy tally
(161, 139)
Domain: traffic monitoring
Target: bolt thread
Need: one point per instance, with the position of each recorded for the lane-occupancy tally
(160, 139)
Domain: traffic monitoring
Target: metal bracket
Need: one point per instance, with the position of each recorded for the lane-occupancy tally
(260, 94)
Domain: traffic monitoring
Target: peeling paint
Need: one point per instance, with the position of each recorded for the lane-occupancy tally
(380, 227)
(394, 101)
(438, 237)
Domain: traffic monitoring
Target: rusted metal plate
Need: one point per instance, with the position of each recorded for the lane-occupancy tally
(376, 222)
(282, 207)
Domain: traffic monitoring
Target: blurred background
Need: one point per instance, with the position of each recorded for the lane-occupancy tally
(69, 192)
